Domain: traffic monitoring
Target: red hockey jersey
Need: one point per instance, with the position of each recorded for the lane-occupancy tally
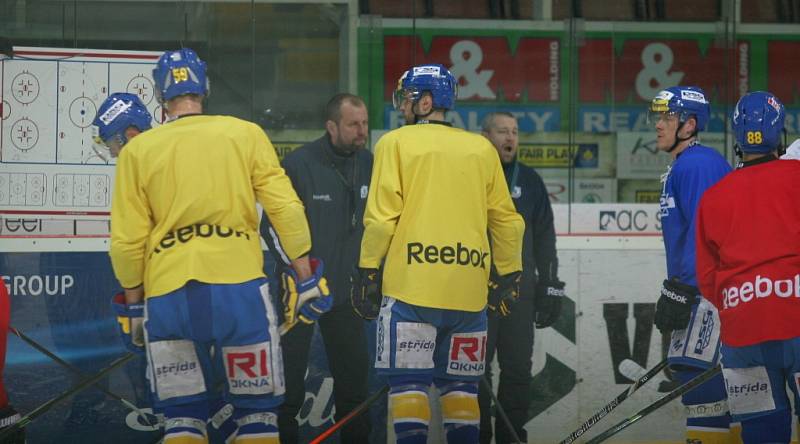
(748, 252)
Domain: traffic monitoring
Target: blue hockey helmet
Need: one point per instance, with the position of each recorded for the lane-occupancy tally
(178, 73)
(683, 102)
(116, 114)
(435, 79)
(758, 122)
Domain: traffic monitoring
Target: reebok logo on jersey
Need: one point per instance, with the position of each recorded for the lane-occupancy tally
(674, 296)
(459, 255)
(187, 233)
(761, 287)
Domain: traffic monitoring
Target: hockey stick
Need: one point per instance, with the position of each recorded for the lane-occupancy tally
(77, 372)
(349, 417)
(285, 327)
(701, 378)
(500, 411)
(606, 409)
(42, 409)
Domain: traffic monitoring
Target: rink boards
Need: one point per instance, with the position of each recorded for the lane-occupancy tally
(60, 298)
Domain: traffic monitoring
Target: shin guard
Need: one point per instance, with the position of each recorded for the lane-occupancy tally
(410, 410)
(460, 412)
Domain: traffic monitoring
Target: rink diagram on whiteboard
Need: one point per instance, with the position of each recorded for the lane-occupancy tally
(49, 99)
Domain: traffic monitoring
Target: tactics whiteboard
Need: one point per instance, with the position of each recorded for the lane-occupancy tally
(49, 99)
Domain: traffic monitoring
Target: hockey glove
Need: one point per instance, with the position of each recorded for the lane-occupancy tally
(365, 294)
(547, 305)
(308, 300)
(675, 306)
(130, 320)
(503, 292)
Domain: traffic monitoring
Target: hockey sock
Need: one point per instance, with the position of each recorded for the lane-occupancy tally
(411, 413)
(221, 420)
(707, 418)
(256, 426)
(460, 412)
(773, 428)
(186, 423)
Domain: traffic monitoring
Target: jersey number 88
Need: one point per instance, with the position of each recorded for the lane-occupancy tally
(754, 137)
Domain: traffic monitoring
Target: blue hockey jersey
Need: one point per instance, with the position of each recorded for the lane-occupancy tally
(695, 169)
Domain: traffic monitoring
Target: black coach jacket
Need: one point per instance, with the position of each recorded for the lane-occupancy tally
(529, 193)
(334, 190)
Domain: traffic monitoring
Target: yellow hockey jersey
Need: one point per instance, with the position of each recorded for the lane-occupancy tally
(435, 192)
(184, 205)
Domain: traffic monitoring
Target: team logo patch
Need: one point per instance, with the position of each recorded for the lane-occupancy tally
(364, 191)
(427, 70)
(749, 390)
(702, 337)
(323, 197)
(774, 103)
(694, 96)
(112, 113)
(705, 333)
(516, 192)
(176, 369)
(414, 345)
(249, 369)
(467, 354)
(664, 95)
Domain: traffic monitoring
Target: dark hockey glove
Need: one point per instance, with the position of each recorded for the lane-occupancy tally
(547, 305)
(130, 322)
(503, 292)
(675, 306)
(365, 293)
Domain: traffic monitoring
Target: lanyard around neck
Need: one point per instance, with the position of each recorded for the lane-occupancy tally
(512, 182)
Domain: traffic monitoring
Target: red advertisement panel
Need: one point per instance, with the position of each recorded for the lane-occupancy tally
(783, 74)
(486, 67)
(639, 68)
